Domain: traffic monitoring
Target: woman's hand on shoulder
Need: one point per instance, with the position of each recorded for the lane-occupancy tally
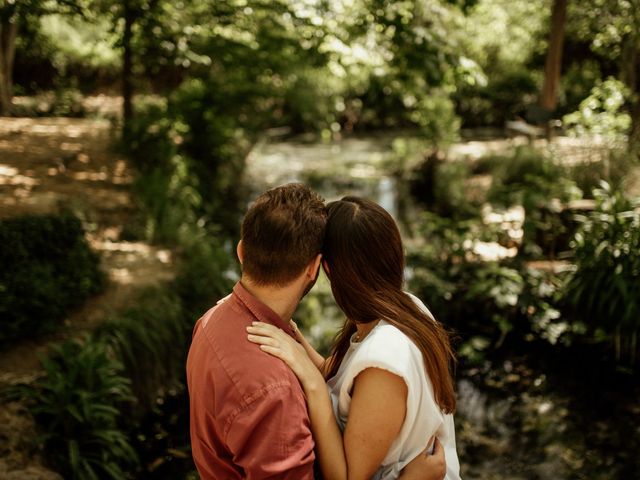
(427, 466)
(276, 342)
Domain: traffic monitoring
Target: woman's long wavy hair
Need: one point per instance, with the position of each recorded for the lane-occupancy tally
(363, 250)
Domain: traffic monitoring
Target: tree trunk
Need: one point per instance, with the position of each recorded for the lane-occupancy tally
(553, 64)
(127, 67)
(634, 135)
(8, 33)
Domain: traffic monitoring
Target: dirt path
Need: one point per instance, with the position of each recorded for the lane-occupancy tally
(51, 163)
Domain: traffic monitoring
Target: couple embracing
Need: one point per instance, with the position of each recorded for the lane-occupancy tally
(264, 404)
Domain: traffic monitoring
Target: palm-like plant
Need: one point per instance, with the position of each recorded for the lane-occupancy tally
(78, 404)
(605, 286)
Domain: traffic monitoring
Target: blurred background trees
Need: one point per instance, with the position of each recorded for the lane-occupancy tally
(503, 135)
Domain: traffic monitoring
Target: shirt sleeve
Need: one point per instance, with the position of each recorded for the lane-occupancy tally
(387, 349)
(270, 437)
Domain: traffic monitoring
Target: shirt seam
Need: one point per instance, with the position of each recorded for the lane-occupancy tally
(249, 400)
(214, 350)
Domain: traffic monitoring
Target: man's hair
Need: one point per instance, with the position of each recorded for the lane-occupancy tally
(281, 233)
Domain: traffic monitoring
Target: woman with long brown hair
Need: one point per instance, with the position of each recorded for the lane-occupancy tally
(390, 390)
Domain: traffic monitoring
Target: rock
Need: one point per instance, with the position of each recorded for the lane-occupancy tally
(19, 458)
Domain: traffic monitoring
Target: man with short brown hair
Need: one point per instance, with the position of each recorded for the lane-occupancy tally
(248, 413)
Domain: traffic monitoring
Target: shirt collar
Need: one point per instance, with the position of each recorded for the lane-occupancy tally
(259, 310)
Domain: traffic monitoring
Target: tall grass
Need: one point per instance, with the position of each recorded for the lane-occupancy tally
(150, 339)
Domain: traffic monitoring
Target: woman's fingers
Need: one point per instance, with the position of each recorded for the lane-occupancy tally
(276, 342)
(275, 351)
(264, 327)
(262, 340)
(437, 446)
(267, 335)
(429, 466)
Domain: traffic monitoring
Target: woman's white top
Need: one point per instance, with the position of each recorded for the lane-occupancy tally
(386, 347)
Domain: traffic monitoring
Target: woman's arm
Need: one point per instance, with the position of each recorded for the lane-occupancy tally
(376, 415)
(378, 407)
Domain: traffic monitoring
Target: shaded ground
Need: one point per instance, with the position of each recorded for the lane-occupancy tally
(48, 164)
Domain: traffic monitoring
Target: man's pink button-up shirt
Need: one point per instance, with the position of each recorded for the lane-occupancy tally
(248, 413)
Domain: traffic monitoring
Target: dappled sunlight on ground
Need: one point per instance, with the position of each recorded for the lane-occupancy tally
(45, 163)
(50, 164)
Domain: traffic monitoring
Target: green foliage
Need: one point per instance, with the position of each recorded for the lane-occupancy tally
(207, 274)
(613, 167)
(63, 102)
(453, 280)
(79, 44)
(538, 183)
(150, 339)
(163, 186)
(47, 270)
(126, 367)
(605, 288)
(485, 302)
(448, 192)
(185, 149)
(505, 39)
(601, 113)
(78, 404)
(215, 145)
(541, 308)
(527, 169)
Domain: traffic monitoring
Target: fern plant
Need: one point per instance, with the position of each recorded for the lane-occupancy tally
(78, 404)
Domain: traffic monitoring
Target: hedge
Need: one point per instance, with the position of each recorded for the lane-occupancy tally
(47, 269)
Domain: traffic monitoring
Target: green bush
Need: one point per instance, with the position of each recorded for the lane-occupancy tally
(604, 290)
(127, 366)
(61, 102)
(78, 406)
(542, 186)
(465, 292)
(612, 167)
(164, 185)
(519, 174)
(443, 187)
(47, 269)
(504, 97)
(483, 301)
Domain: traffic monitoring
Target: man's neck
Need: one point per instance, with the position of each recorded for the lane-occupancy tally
(282, 300)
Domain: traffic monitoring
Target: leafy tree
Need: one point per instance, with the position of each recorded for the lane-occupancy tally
(612, 27)
(507, 41)
(12, 14)
(126, 15)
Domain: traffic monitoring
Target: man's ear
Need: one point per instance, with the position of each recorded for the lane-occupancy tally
(240, 252)
(314, 266)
